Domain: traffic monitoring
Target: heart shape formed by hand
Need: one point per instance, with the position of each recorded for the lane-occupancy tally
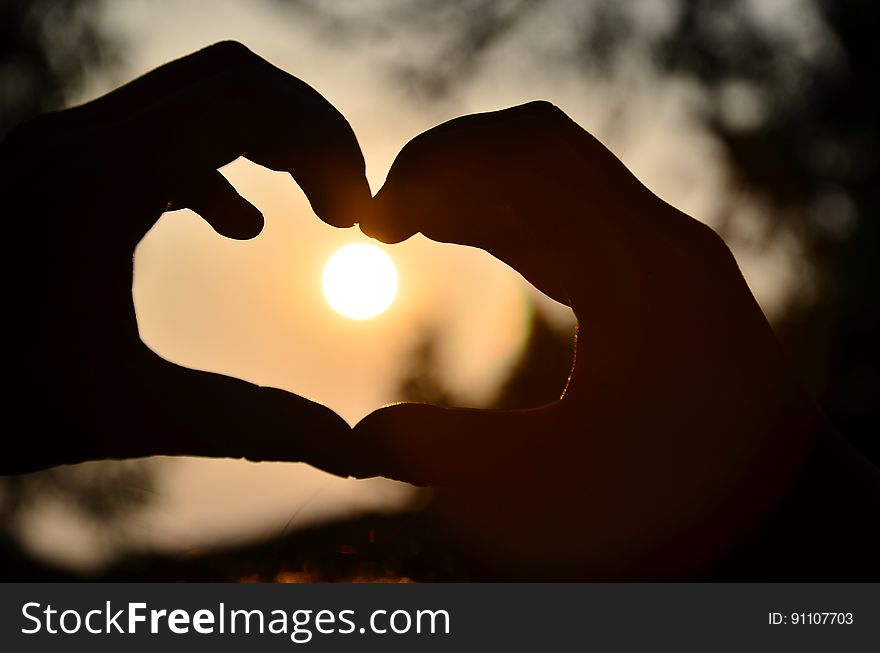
(673, 337)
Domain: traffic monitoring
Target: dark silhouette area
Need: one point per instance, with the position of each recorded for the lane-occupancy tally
(47, 49)
(681, 431)
(683, 447)
(370, 548)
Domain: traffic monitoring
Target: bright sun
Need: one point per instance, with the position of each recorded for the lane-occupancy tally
(360, 281)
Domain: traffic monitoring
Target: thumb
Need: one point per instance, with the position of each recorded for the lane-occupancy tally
(472, 181)
(429, 445)
(216, 200)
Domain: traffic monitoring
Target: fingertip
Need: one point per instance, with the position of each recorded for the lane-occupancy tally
(431, 445)
(397, 414)
(385, 222)
(228, 48)
(340, 197)
(406, 443)
(240, 222)
(216, 200)
(385, 233)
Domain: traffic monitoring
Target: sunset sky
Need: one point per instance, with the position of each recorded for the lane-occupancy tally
(255, 310)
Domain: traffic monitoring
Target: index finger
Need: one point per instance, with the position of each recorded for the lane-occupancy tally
(225, 102)
(502, 181)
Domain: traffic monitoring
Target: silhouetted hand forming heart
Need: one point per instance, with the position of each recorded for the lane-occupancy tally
(85, 185)
(679, 438)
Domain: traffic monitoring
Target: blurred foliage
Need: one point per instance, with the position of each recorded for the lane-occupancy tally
(100, 492)
(537, 378)
(99, 495)
(47, 49)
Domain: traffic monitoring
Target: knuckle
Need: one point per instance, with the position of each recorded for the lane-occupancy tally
(544, 111)
(541, 107)
(708, 241)
(229, 52)
(541, 119)
(707, 235)
(230, 48)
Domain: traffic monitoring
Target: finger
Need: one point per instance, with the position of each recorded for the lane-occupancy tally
(479, 161)
(312, 140)
(138, 94)
(157, 84)
(277, 121)
(216, 200)
(500, 181)
(525, 185)
(428, 445)
(496, 228)
(184, 412)
(333, 179)
(203, 414)
(246, 107)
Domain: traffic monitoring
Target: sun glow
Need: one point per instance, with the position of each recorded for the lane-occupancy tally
(360, 281)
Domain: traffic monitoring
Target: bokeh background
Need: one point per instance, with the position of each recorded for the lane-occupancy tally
(758, 118)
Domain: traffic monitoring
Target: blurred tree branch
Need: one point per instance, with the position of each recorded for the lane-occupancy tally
(47, 48)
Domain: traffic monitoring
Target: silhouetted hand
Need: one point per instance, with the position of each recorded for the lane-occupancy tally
(84, 186)
(679, 430)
